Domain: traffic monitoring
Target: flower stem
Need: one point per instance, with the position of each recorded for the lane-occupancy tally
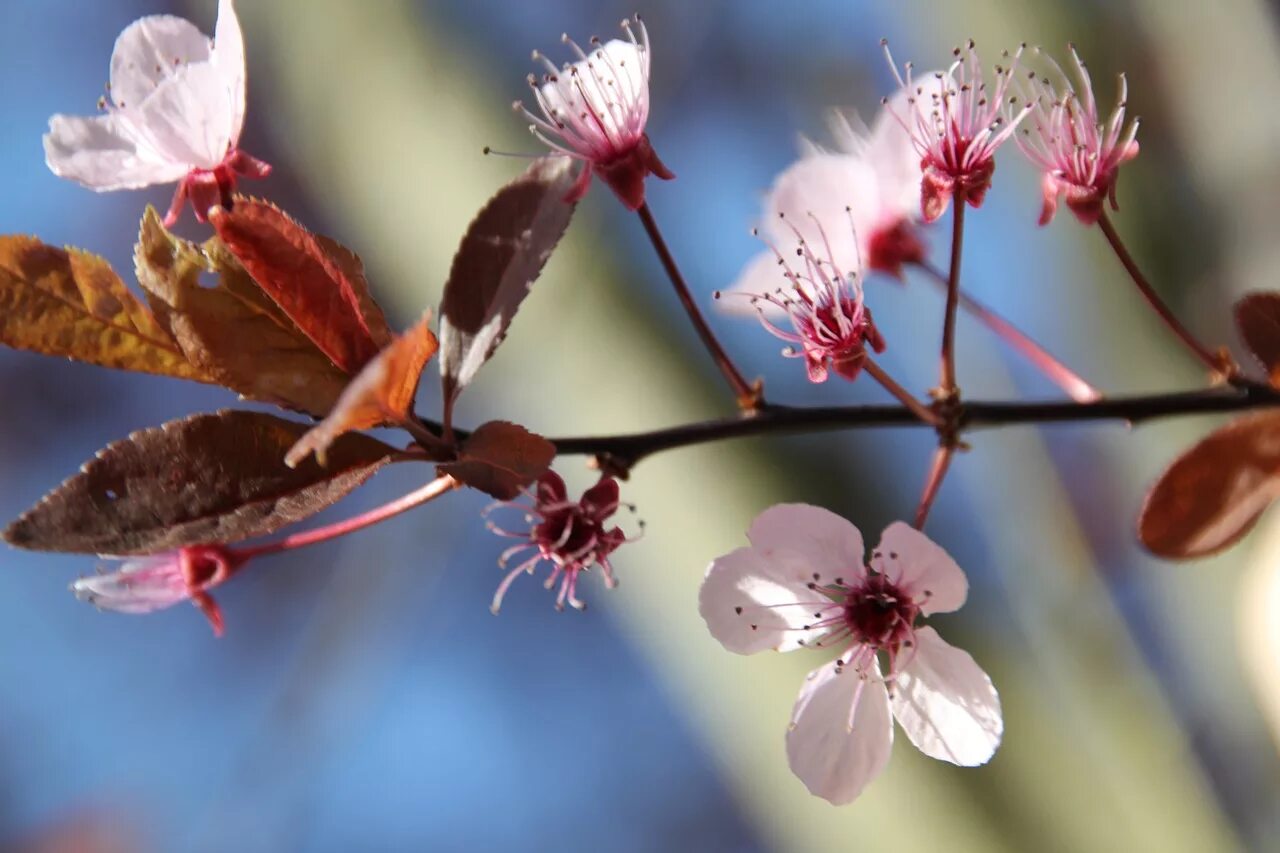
(937, 471)
(1057, 372)
(1216, 364)
(749, 397)
(430, 491)
(904, 396)
(947, 384)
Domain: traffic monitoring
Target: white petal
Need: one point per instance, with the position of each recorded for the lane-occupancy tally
(100, 152)
(896, 162)
(150, 51)
(189, 117)
(228, 58)
(841, 733)
(828, 200)
(814, 543)
(946, 703)
(752, 604)
(920, 568)
(762, 274)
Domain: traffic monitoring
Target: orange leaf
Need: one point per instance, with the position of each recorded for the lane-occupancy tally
(382, 393)
(315, 289)
(1258, 319)
(500, 459)
(70, 303)
(1212, 494)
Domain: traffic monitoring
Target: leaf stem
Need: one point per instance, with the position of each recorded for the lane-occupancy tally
(937, 472)
(947, 383)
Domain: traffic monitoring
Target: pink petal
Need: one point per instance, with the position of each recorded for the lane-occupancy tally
(809, 541)
(828, 199)
(894, 158)
(752, 604)
(841, 733)
(188, 118)
(101, 153)
(946, 703)
(921, 569)
(762, 274)
(228, 58)
(150, 51)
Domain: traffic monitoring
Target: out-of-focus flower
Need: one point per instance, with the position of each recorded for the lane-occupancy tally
(1079, 155)
(595, 110)
(957, 124)
(831, 326)
(571, 535)
(174, 113)
(148, 584)
(803, 583)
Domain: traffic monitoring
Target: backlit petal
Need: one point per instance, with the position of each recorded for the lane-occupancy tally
(101, 153)
(150, 51)
(752, 604)
(921, 569)
(814, 544)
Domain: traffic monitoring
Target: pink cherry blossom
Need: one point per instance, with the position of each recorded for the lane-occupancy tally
(147, 584)
(175, 113)
(957, 124)
(596, 109)
(1079, 154)
(804, 583)
(571, 535)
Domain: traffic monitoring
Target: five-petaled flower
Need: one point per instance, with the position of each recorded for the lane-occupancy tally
(147, 584)
(803, 583)
(1079, 155)
(957, 124)
(571, 535)
(175, 112)
(595, 110)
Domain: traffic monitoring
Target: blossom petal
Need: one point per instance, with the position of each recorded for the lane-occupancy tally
(826, 200)
(150, 51)
(228, 58)
(813, 543)
(841, 732)
(921, 568)
(946, 704)
(188, 118)
(139, 586)
(894, 158)
(101, 153)
(752, 604)
(762, 274)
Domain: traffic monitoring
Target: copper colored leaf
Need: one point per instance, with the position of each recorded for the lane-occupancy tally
(72, 304)
(1212, 494)
(292, 266)
(1258, 318)
(382, 393)
(500, 459)
(352, 269)
(232, 331)
(501, 255)
(208, 478)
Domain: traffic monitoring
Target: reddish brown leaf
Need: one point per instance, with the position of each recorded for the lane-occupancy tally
(313, 288)
(1212, 494)
(501, 255)
(210, 478)
(232, 331)
(500, 459)
(382, 393)
(1258, 319)
(71, 303)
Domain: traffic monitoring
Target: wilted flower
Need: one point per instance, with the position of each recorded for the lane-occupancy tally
(802, 583)
(957, 125)
(146, 584)
(1079, 155)
(595, 110)
(571, 535)
(175, 112)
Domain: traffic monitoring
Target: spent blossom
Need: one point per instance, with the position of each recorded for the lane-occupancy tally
(804, 583)
(1079, 154)
(595, 110)
(147, 584)
(571, 535)
(174, 112)
(957, 124)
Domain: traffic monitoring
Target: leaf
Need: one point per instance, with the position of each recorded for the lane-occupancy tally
(205, 479)
(499, 258)
(232, 332)
(315, 290)
(1212, 494)
(382, 393)
(70, 303)
(500, 459)
(1258, 319)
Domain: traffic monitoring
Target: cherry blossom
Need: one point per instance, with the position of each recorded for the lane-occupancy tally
(175, 113)
(1079, 154)
(956, 124)
(147, 584)
(596, 109)
(571, 535)
(804, 583)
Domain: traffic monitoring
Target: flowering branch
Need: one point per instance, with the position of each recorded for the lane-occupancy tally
(947, 384)
(937, 472)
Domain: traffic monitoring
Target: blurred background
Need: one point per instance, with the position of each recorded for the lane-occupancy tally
(364, 698)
